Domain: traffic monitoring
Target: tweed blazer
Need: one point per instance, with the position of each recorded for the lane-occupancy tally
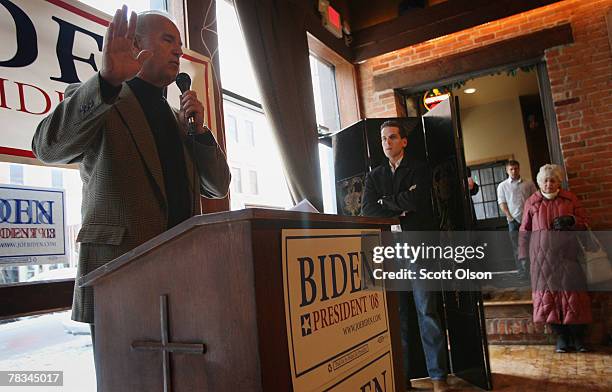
(124, 198)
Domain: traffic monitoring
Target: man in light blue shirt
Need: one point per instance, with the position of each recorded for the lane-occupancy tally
(512, 194)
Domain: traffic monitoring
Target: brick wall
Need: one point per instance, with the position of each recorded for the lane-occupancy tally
(581, 81)
(511, 323)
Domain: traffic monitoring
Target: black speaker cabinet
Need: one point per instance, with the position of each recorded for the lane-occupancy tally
(357, 150)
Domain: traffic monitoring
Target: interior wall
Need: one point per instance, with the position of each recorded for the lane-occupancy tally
(494, 130)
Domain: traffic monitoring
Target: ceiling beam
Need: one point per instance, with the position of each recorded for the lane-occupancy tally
(432, 22)
(511, 51)
(609, 22)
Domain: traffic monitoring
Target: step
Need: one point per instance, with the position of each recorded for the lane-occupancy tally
(508, 318)
(510, 322)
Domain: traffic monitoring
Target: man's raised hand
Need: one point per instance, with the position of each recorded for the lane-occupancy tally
(121, 60)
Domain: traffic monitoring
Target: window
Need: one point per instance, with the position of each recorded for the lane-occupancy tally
(70, 350)
(231, 128)
(236, 179)
(326, 99)
(328, 121)
(237, 73)
(262, 157)
(488, 176)
(250, 142)
(16, 174)
(42, 176)
(249, 130)
(253, 182)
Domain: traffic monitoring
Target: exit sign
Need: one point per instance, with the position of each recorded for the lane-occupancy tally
(331, 18)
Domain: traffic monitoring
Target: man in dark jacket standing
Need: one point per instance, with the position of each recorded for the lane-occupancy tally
(401, 188)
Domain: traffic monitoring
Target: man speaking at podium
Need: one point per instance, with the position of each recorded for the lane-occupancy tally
(142, 174)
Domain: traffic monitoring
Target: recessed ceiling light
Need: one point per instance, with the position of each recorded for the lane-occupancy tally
(469, 90)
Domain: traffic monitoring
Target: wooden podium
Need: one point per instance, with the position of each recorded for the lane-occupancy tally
(202, 307)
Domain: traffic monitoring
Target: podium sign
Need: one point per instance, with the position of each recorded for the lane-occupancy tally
(337, 329)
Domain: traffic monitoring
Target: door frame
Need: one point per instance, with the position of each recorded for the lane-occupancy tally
(544, 89)
(469, 304)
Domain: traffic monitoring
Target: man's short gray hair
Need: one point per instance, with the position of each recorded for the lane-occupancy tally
(549, 171)
(142, 25)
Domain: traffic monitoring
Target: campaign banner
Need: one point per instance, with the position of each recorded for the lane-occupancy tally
(337, 326)
(49, 44)
(32, 225)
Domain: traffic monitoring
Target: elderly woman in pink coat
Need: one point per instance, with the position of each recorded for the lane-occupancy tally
(559, 287)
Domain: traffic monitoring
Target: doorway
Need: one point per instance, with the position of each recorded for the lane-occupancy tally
(503, 117)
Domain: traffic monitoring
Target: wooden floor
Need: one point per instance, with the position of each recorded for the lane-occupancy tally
(540, 369)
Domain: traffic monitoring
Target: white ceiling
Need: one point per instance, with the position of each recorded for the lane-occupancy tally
(497, 88)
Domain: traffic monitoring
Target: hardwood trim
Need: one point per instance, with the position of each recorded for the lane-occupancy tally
(609, 23)
(401, 108)
(242, 101)
(514, 50)
(550, 120)
(432, 22)
(197, 14)
(346, 81)
(28, 298)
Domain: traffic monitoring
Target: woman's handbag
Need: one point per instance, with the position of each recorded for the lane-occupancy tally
(594, 260)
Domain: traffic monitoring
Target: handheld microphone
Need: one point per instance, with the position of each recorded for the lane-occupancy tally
(183, 81)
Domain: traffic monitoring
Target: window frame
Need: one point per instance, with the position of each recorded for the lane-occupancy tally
(32, 298)
(234, 134)
(237, 179)
(253, 185)
(249, 128)
(345, 79)
(323, 129)
(491, 163)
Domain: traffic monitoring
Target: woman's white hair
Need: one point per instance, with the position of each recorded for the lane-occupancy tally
(549, 171)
